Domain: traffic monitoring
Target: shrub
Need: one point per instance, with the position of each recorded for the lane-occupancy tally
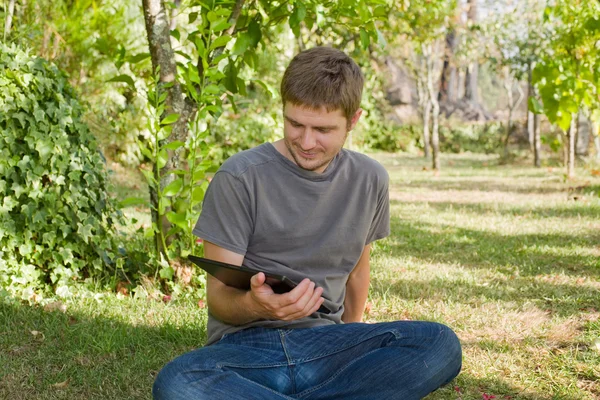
(56, 220)
(458, 138)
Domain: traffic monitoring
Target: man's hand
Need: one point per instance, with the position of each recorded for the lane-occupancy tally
(298, 303)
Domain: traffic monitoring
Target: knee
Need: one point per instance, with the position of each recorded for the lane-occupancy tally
(162, 383)
(448, 347)
(169, 383)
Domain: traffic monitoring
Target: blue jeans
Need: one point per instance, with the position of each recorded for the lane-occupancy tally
(391, 360)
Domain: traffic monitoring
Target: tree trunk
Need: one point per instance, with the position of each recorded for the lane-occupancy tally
(509, 93)
(537, 141)
(596, 133)
(448, 78)
(10, 12)
(571, 150)
(428, 51)
(424, 102)
(471, 85)
(530, 115)
(426, 137)
(162, 55)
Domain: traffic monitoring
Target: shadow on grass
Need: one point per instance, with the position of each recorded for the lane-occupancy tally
(74, 355)
(493, 185)
(559, 299)
(568, 210)
(54, 355)
(530, 254)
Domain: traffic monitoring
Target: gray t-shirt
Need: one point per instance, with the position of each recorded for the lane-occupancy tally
(296, 223)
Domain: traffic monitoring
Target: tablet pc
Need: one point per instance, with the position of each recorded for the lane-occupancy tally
(239, 277)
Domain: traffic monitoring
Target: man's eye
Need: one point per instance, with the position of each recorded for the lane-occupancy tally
(323, 130)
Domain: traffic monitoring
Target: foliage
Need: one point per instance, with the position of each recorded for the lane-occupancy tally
(568, 75)
(92, 41)
(392, 137)
(56, 218)
(474, 138)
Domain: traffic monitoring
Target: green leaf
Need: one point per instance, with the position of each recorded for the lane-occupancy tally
(169, 119)
(242, 43)
(123, 78)
(197, 195)
(175, 33)
(174, 145)
(255, 33)
(163, 157)
(192, 17)
(219, 25)
(177, 219)
(535, 106)
(298, 15)
(220, 41)
(173, 188)
(212, 89)
(167, 273)
(364, 39)
(231, 77)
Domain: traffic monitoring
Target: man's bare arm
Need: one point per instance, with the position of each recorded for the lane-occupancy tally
(357, 288)
(238, 307)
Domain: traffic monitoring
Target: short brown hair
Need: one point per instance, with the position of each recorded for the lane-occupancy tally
(323, 76)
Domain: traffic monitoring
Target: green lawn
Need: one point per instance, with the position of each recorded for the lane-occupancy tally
(509, 256)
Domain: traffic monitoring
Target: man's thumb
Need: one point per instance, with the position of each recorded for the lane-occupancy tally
(257, 280)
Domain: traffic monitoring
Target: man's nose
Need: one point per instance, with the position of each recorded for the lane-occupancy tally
(308, 139)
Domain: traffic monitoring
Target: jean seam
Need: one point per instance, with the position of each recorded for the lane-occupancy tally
(221, 365)
(290, 364)
(394, 332)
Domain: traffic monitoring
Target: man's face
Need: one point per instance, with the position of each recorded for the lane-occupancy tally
(314, 137)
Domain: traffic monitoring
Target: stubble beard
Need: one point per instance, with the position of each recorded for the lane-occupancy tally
(301, 162)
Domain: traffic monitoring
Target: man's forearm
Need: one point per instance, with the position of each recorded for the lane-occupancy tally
(357, 292)
(230, 305)
(357, 288)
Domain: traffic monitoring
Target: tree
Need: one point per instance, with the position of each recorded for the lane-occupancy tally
(568, 74)
(218, 41)
(424, 24)
(472, 74)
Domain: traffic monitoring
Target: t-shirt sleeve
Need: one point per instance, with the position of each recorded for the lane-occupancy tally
(380, 227)
(226, 219)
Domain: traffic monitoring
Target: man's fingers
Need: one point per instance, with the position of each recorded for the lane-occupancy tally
(293, 296)
(303, 307)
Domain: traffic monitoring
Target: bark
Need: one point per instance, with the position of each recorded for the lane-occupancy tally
(424, 105)
(10, 12)
(433, 96)
(537, 141)
(530, 115)
(511, 107)
(571, 149)
(596, 133)
(426, 136)
(472, 75)
(162, 55)
(448, 78)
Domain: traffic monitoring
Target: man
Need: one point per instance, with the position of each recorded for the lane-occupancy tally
(306, 208)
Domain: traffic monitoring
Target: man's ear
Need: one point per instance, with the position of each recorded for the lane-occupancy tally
(355, 118)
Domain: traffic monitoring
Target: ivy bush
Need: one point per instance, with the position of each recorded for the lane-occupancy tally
(56, 220)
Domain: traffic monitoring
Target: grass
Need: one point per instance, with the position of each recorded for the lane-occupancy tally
(509, 256)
